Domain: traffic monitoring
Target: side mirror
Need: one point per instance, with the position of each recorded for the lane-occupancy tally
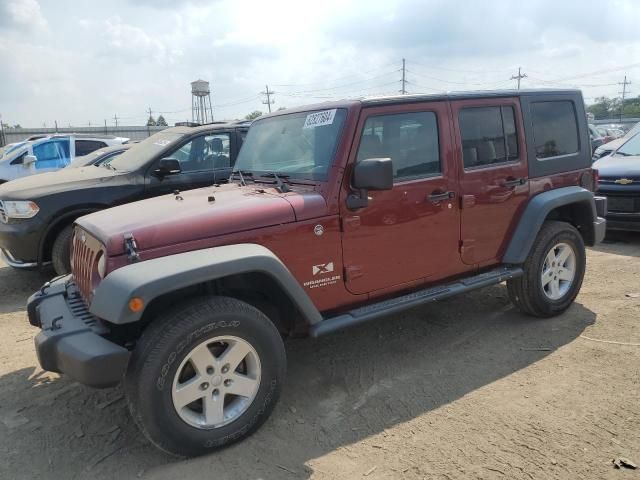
(168, 166)
(29, 160)
(370, 174)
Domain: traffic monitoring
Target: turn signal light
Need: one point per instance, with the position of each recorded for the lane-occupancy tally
(136, 304)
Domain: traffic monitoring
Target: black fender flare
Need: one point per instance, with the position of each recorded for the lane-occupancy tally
(535, 214)
(150, 279)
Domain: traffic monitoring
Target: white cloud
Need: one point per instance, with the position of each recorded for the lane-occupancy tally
(22, 14)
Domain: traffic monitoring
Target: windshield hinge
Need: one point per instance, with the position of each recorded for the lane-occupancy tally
(131, 247)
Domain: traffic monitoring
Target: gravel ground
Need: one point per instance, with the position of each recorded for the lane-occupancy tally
(465, 388)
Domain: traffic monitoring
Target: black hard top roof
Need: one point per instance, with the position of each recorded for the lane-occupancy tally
(431, 97)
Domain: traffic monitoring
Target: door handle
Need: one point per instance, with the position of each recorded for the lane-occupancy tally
(438, 196)
(514, 182)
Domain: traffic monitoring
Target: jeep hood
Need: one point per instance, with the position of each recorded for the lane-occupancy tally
(44, 184)
(188, 216)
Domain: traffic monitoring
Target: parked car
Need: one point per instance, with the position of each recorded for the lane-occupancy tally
(607, 148)
(619, 181)
(336, 214)
(50, 153)
(595, 137)
(608, 134)
(101, 156)
(37, 213)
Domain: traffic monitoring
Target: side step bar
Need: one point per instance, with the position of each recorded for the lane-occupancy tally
(393, 305)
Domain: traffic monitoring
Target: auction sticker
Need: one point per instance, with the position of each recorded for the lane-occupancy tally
(318, 119)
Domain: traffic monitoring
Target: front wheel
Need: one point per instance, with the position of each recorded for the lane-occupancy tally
(205, 375)
(553, 271)
(61, 251)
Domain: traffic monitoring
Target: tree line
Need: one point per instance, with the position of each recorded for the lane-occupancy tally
(605, 107)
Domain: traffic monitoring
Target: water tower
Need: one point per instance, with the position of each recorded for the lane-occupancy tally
(201, 110)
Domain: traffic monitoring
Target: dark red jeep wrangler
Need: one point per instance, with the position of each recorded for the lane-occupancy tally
(336, 214)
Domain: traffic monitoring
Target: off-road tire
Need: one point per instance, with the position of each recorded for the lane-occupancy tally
(163, 346)
(527, 293)
(61, 251)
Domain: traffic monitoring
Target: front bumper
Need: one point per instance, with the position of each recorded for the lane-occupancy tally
(71, 340)
(20, 242)
(600, 223)
(624, 221)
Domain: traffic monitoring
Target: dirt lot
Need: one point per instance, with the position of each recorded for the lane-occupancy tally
(466, 388)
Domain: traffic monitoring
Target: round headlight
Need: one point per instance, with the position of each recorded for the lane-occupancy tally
(102, 264)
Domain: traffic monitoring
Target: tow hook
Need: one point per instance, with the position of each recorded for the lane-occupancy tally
(132, 247)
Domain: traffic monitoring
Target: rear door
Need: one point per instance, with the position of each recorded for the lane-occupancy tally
(410, 233)
(493, 178)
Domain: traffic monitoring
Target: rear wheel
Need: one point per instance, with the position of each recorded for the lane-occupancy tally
(553, 271)
(61, 251)
(205, 375)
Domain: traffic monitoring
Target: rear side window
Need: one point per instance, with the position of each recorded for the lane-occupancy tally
(488, 135)
(409, 139)
(84, 147)
(555, 128)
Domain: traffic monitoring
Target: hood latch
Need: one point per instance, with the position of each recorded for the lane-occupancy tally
(131, 247)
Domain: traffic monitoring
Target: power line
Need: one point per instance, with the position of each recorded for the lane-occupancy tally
(519, 77)
(359, 74)
(268, 102)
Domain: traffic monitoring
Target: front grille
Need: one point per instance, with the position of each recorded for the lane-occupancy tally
(624, 202)
(3, 213)
(83, 256)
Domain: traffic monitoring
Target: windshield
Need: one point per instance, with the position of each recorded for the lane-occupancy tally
(297, 145)
(146, 150)
(10, 148)
(631, 147)
(634, 130)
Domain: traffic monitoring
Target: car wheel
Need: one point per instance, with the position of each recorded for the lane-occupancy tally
(205, 375)
(61, 251)
(553, 271)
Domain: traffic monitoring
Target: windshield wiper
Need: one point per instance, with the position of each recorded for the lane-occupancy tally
(242, 174)
(624, 154)
(280, 185)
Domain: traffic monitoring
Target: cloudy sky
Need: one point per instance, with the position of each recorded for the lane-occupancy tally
(79, 62)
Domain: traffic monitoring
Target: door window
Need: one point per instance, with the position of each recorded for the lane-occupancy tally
(555, 128)
(207, 152)
(409, 139)
(488, 135)
(52, 153)
(84, 147)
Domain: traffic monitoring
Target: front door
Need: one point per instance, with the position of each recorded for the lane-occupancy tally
(411, 233)
(493, 175)
(199, 157)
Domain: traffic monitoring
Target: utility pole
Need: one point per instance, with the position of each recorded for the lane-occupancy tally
(519, 77)
(56, 124)
(115, 117)
(2, 139)
(404, 78)
(105, 126)
(624, 94)
(268, 102)
(148, 126)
